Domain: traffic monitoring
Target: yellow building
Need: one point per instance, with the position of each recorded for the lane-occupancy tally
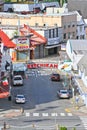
(68, 21)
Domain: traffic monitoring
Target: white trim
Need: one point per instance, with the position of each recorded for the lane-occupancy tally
(52, 46)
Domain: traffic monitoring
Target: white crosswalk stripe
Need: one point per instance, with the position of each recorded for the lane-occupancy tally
(84, 121)
(44, 114)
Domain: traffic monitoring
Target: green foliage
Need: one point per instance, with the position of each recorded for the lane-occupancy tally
(74, 128)
(62, 128)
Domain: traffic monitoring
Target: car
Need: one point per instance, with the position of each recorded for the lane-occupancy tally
(17, 80)
(55, 77)
(20, 98)
(63, 93)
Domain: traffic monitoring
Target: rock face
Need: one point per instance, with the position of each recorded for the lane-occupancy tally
(79, 5)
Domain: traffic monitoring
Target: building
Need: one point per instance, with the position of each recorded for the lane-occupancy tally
(36, 46)
(28, 8)
(76, 49)
(81, 28)
(68, 21)
(79, 5)
(1, 5)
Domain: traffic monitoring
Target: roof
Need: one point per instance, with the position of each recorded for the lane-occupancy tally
(79, 5)
(6, 40)
(79, 46)
(36, 38)
(83, 62)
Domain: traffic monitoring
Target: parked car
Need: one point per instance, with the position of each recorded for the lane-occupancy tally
(18, 80)
(55, 77)
(20, 98)
(63, 93)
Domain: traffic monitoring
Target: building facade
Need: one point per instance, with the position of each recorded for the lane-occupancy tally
(68, 21)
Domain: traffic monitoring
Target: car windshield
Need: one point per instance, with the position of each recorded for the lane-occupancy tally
(17, 78)
(55, 74)
(63, 92)
(20, 96)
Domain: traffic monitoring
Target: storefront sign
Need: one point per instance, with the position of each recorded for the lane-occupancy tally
(45, 65)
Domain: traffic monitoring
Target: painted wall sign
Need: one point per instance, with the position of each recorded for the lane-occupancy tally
(45, 65)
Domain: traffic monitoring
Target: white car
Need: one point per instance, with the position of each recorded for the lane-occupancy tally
(20, 98)
(18, 80)
(63, 93)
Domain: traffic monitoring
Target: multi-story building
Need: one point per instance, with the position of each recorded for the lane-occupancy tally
(81, 30)
(68, 21)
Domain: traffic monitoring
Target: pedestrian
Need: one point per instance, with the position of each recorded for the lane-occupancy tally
(4, 126)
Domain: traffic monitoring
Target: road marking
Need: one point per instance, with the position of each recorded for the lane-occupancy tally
(54, 114)
(62, 114)
(69, 114)
(35, 114)
(27, 114)
(45, 114)
(84, 121)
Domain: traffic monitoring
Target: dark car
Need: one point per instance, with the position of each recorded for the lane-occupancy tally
(55, 77)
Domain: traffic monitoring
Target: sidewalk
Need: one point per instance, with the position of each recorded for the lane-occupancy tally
(11, 113)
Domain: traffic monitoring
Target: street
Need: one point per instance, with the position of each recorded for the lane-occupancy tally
(42, 108)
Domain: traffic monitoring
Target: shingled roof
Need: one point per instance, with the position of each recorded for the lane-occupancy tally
(79, 5)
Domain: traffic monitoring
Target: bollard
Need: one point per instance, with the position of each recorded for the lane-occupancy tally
(22, 110)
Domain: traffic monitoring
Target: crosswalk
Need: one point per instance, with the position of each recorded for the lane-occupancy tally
(37, 73)
(84, 121)
(44, 114)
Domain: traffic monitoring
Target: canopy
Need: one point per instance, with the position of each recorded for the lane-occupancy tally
(6, 40)
(36, 38)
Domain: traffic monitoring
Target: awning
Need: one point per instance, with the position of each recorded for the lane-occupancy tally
(6, 40)
(52, 46)
(36, 38)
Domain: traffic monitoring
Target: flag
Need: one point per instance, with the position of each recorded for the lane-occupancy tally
(5, 82)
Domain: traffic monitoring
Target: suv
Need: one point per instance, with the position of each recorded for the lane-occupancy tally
(17, 80)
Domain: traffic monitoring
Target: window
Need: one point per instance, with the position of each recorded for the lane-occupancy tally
(64, 26)
(64, 36)
(69, 35)
(49, 33)
(36, 24)
(73, 25)
(56, 32)
(73, 34)
(68, 26)
(53, 33)
(81, 29)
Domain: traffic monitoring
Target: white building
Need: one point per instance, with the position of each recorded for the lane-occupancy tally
(80, 27)
(76, 49)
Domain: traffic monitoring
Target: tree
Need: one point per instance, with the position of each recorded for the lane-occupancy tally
(61, 2)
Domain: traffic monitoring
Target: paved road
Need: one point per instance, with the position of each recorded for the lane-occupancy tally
(42, 108)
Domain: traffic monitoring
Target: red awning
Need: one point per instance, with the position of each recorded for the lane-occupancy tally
(6, 40)
(36, 39)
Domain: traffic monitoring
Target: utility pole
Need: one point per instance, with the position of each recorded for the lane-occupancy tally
(0, 62)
